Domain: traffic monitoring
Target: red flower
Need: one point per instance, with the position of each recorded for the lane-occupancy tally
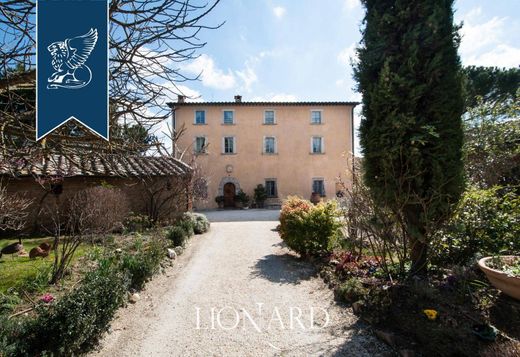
(47, 298)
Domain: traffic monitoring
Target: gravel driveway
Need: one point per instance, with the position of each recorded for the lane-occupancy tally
(238, 292)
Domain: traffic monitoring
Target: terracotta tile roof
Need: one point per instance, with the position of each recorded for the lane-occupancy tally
(269, 104)
(75, 165)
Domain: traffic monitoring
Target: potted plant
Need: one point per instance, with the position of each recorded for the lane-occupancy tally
(503, 272)
(315, 198)
(260, 196)
(220, 201)
(244, 198)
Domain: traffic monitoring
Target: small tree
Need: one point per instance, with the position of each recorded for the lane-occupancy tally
(491, 145)
(167, 196)
(411, 133)
(91, 212)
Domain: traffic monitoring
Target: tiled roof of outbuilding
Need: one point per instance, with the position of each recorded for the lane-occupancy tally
(100, 165)
(268, 104)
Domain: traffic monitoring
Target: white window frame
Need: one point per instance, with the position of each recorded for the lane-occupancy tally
(274, 117)
(223, 116)
(321, 116)
(322, 145)
(265, 146)
(224, 145)
(275, 187)
(205, 144)
(314, 179)
(195, 117)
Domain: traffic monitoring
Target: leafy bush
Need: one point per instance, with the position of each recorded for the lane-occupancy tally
(143, 264)
(492, 153)
(308, 229)
(351, 290)
(74, 322)
(199, 222)
(347, 265)
(242, 197)
(260, 194)
(8, 302)
(177, 235)
(187, 226)
(486, 222)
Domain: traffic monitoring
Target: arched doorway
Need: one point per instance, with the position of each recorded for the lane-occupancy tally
(229, 195)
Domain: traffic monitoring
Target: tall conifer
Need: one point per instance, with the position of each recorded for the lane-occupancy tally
(409, 74)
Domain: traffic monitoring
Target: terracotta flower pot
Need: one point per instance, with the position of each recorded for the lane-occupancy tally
(315, 198)
(509, 285)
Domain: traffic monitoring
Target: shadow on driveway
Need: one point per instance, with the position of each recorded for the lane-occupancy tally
(283, 269)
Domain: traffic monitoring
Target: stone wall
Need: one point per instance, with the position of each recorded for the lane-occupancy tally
(137, 191)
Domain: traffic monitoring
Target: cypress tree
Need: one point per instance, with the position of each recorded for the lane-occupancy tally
(409, 74)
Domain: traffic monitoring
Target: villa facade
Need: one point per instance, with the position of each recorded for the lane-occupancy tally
(292, 148)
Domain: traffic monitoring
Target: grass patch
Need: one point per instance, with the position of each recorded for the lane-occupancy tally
(17, 271)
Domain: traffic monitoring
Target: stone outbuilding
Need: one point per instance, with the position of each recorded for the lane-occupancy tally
(157, 187)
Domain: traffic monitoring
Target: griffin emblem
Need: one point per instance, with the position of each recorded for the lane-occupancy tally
(68, 61)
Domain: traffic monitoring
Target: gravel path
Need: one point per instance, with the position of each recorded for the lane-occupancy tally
(238, 292)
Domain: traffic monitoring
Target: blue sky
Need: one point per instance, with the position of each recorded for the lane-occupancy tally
(301, 50)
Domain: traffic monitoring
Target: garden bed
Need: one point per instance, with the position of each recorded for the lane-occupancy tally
(462, 300)
(68, 318)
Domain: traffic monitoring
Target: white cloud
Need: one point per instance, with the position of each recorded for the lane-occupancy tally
(348, 55)
(501, 56)
(211, 75)
(475, 35)
(279, 11)
(214, 77)
(351, 4)
(248, 77)
(276, 97)
(484, 41)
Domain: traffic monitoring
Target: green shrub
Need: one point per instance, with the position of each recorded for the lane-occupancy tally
(351, 290)
(260, 195)
(177, 235)
(308, 229)
(199, 222)
(486, 222)
(242, 197)
(8, 302)
(187, 226)
(74, 322)
(143, 264)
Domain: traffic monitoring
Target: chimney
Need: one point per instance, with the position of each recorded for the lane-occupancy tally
(181, 98)
(238, 99)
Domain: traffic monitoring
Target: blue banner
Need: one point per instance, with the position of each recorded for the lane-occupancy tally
(72, 65)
